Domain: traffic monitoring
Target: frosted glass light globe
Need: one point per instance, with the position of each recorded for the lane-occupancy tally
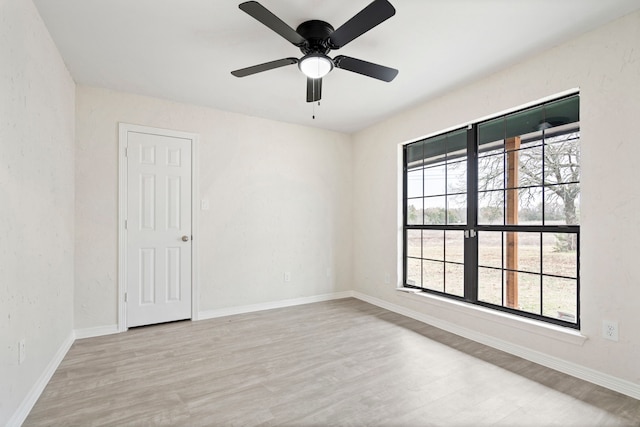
(315, 65)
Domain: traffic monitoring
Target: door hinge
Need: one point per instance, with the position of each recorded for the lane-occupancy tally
(469, 233)
(125, 297)
(126, 151)
(125, 224)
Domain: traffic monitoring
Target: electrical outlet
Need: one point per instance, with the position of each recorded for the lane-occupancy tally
(287, 276)
(21, 352)
(610, 330)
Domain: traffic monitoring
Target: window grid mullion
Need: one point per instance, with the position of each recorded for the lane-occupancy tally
(544, 178)
(471, 243)
(541, 275)
(502, 283)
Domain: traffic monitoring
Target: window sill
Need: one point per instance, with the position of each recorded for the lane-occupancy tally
(537, 327)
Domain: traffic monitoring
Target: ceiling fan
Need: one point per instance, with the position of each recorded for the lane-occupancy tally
(316, 39)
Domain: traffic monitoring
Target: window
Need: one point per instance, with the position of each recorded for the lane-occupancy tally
(491, 213)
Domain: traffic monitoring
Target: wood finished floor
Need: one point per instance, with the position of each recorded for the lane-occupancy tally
(342, 363)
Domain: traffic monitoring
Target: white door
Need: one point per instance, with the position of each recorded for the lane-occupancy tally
(158, 226)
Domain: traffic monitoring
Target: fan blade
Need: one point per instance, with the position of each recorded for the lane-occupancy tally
(365, 68)
(376, 13)
(314, 89)
(263, 15)
(243, 72)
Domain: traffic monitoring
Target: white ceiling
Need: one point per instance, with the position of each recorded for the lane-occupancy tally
(184, 50)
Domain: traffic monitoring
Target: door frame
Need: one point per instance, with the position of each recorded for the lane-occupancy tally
(123, 130)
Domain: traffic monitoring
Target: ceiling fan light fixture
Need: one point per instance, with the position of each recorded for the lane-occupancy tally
(315, 65)
(316, 38)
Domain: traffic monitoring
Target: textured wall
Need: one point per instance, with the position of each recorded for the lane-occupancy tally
(280, 198)
(36, 201)
(605, 65)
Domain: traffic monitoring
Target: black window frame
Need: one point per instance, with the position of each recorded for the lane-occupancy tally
(472, 227)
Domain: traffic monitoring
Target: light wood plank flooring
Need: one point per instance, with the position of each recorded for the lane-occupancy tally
(343, 363)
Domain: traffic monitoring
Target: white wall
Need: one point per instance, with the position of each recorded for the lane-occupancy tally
(280, 199)
(36, 202)
(605, 65)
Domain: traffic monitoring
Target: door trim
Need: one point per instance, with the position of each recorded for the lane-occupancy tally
(123, 129)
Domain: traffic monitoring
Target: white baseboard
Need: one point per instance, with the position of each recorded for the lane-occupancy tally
(34, 394)
(96, 332)
(211, 314)
(591, 375)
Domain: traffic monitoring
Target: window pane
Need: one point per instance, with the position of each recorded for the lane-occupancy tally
(490, 249)
(457, 144)
(559, 254)
(563, 204)
(511, 251)
(490, 285)
(530, 167)
(457, 177)
(558, 113)
(491, 172)
(415, 154)
(434, 210)
(529, 207)
(414, 272)
(433, 273)
(435, 149)
(414, 211)
(454, 248)
(414, 183)
(491, 133)
(491, 208)
(454, 279)
(562, 162)
(560, 298)
(527, 253)
(434, 181)
(414, 243)
(528, 291)
(457, 209)
(433, 244)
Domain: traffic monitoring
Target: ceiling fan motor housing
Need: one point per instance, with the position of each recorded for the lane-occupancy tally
(317, 34)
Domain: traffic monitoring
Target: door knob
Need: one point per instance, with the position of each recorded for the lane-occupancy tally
(185, 238)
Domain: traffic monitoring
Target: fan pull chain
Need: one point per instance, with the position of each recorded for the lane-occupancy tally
(314, 110)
